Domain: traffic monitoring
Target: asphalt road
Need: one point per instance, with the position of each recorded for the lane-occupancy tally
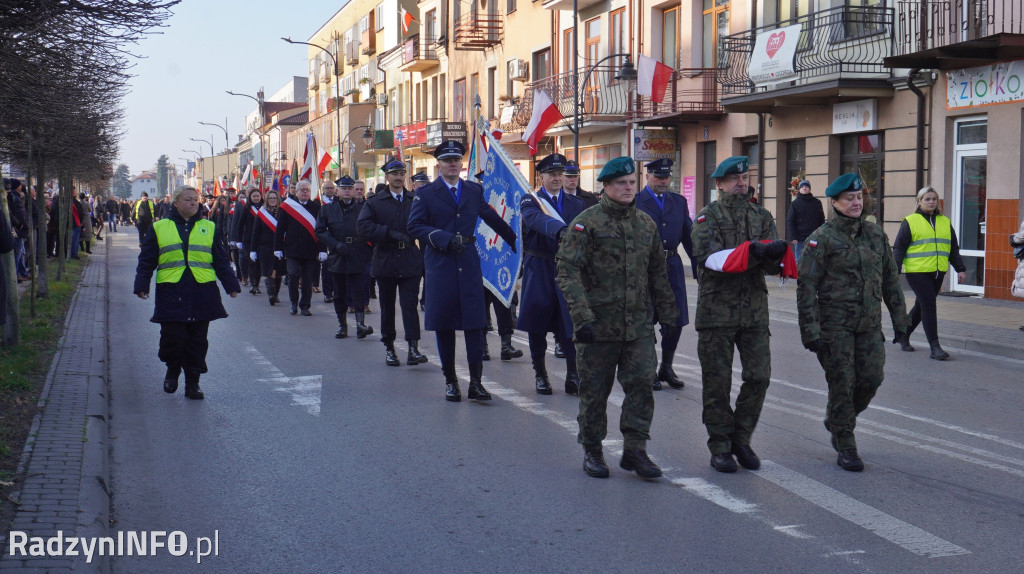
(310, 455)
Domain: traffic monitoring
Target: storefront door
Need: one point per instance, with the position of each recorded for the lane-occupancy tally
(970, 175)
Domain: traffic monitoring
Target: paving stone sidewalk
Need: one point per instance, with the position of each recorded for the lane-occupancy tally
(66, 457)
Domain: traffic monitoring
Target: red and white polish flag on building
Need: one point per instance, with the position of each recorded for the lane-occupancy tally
(652, 78)
(545, 115)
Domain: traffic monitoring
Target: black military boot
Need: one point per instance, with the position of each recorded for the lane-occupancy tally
(451, 384)
(572, 383)
(639, 462)
(415, 357)
(850, 460)
(487, 350)
(508, 352)
(342, 331)
(656, 384)
(665, 373)
(271, 292)
(543, 386)
(559, 353)
(390, 357)
(477, 392)
(594, 464)
(746, 456)
(937, 353)
(362, 330)
(903, 340)
(723, 462)
(171, 378)
(192, 390)
(294, 309)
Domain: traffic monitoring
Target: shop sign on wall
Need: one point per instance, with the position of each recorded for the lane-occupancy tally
(649, 145)
(999, 83)
(858, 116)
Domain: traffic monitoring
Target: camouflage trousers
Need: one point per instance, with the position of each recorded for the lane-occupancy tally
(637, 365)
(715, 349)
(854, 366)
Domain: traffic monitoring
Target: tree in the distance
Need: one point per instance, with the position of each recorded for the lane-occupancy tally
(121, 184)
(161, 175)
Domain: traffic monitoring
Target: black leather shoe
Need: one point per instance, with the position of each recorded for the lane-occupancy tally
(937, 353)
(638, 461)
(572, 384)
(328, 299)
(477, 392)
(390, 358)
(723, 462)
(904, 342)
(363, 330)
(307, 313)
(342, 332)
(746, 456)
(415, 357)
(192, 391)
(452, 392)
(558, 350)
(594, 464)
(170, 385)
(508, 352)
(665, 373)
(294, 309)
(656, 385)
(543, 386)
(849, 460)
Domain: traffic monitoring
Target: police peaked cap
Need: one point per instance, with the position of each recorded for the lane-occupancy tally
(845, 182)
(734, 164)
(553, 162)
(572, 168)
(449, 149)
(616, 168)
(421, 176)
(345, 181)
(393, 166)
(660, 168)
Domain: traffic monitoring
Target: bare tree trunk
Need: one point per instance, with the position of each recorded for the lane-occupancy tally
(12, 331)
(40, 280)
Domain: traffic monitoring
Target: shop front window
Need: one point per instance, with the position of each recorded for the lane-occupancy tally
(863, 154)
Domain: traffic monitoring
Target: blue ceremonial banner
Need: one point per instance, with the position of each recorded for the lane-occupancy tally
(503, 186)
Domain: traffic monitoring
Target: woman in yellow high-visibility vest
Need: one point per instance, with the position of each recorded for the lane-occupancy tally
(926, 246)
(189, 256)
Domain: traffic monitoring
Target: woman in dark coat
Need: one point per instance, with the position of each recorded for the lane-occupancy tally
(245, 224)
(261, 246)
(185, 306)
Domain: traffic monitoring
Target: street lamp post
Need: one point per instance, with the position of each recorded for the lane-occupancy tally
(337, 91)
(367, 137)
(213, 166)
(262, 118)
(628, 72)
(223, 128)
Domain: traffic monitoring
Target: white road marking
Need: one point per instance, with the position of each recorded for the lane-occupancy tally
(304, 390)
(888, 527)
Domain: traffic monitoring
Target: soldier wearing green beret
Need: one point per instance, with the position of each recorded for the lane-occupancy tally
(732, 311)
(847, 269)
(610, 265)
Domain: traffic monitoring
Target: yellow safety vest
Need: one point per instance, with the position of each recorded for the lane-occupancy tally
(138, 208)
(929, 247)
(171, 265)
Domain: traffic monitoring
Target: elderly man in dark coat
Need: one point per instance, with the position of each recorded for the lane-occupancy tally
(443, 218)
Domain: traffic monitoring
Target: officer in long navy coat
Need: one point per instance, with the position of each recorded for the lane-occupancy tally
(670, 212)
(444, 218)
(542, 308)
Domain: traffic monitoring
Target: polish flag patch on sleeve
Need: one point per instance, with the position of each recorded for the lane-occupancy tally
(578, 227)
(701, 218)
(813, 243)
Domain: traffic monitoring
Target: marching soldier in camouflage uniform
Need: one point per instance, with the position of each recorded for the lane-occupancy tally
(732, 311)
(846, 270)
(610, 265)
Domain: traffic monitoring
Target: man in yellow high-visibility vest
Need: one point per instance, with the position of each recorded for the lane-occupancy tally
(188, 256)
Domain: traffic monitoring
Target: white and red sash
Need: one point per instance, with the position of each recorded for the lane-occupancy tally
(255, 210)
(737, 260)
(299, 213)
(267, 218)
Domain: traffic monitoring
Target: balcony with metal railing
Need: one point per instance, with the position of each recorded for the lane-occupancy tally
(419, 53)
(839, 54)
(477, 32)
(954, 34)
(604, 100)
(692, 94)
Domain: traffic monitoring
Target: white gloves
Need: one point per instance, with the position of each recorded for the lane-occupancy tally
(322, 256)
(252, 255)
(279, 254)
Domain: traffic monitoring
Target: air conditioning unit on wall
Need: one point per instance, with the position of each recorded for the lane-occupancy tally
(518, 70)
(382, 99)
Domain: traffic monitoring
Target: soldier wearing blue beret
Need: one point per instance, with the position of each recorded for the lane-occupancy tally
(444, 217)
(542, 308)
(671, 214)
(611, 270)
(732, 312)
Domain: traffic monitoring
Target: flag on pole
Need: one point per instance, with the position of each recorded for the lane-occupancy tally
(311, 166)
(407, 20)
(652, 78)
(504, 186)
(236, 181)
(245, 176)
(545, 115)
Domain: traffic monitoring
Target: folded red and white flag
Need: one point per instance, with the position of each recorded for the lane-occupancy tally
(299, 213)
(737, 259)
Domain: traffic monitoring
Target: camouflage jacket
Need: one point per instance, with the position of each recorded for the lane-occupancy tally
(846, 271)
(732, 300)
(610, 264)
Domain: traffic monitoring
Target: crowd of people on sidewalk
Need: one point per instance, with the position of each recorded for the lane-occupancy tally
(599, 271)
